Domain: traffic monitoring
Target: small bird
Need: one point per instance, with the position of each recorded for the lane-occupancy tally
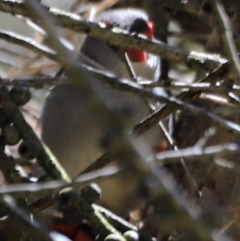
(72, 132)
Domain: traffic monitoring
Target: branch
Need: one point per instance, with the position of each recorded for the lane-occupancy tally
(119, 37)
(198, 153)
(224, 28)
(30, 229)
(173, 146)
(187, 97)
(76, 201)
(28, 43)
(203, 111)
(180, 209)
(51, 188)
(116, 221)
(172, 102)
(107, 119)
(36, 83)
(13, 112)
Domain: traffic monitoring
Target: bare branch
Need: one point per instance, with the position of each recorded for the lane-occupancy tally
(34, 190)
(187, 96)
(199, 153)
(28, 43)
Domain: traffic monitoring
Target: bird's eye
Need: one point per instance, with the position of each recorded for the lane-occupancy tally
(139, 26)
(142, 26)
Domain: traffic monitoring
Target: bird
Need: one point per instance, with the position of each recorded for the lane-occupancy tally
(70, 129)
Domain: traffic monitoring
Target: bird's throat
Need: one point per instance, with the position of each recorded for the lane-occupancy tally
(136, 55)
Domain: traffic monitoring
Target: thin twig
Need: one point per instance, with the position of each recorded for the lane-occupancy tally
(28, 43)
(33, 190)
(197, 152)
(116, 221)
(181, 159)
